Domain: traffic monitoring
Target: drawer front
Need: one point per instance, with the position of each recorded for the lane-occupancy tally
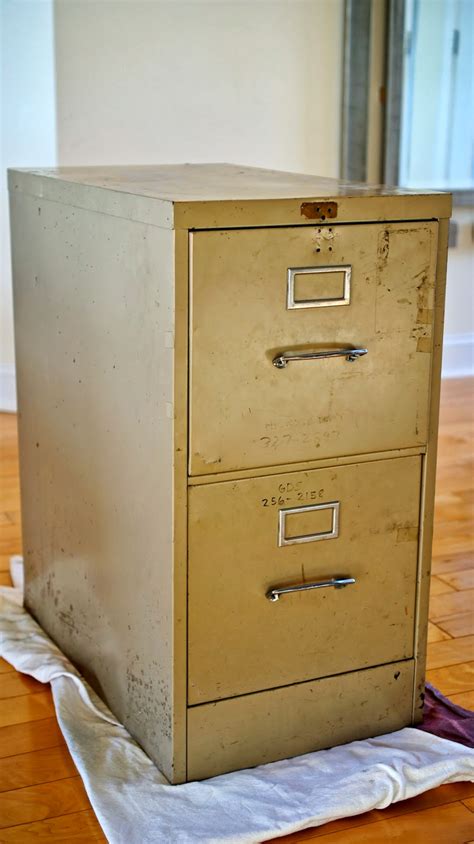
(246, 541)
(258, 293)
(255, 729)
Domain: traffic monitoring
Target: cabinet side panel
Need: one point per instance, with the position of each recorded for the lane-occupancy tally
(429, 479)
(180, 503)
(94, 311)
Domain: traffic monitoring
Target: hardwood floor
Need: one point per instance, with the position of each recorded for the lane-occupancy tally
(42, 797)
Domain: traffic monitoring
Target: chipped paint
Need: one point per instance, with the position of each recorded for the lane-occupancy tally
(425, 316)
(424, 344)
(407, 534)
(383, 249)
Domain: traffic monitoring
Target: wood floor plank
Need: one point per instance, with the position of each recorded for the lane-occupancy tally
(439, 587)
(453, 679)
(9, 494)
(458, 625)
(9, 483)
(5, 557)
(453, 503)
(450, 652)
(38, 802)
(435, 634)
(451, 603)
(14, 685)
(459, 579)
(33, 735)
(5, 517)
(9, 545)
(79, 828)
(13, 516)
(464, 699)
(453, 524)
(448, 563)
(5, 579)
(25, 769)
(5, 666)
(11, 533)
(17, 710)
(459, 478)
(447, 545)
(10, 465)
(452, 823)
(469, 802)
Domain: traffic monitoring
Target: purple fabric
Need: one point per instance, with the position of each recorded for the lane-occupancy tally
(446, 719)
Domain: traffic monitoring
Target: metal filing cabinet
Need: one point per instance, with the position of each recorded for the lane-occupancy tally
(228, 387)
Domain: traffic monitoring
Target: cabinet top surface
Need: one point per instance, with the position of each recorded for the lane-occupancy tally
(213, 182)
(193, 196)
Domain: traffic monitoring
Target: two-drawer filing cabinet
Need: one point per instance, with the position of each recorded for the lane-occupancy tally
(228, 384)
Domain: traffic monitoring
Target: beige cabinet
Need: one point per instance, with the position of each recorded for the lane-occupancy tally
(228, 385)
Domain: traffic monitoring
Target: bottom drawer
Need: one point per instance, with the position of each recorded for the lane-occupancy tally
(254, 729)
(255, 535)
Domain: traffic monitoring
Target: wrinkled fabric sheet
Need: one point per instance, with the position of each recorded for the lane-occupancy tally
(446, 719)
(135, 805)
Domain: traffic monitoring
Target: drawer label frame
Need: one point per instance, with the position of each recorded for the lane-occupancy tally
(345, 299)
(283, 540)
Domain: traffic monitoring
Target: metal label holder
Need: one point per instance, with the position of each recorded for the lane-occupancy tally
(318, 303)
(309, 537)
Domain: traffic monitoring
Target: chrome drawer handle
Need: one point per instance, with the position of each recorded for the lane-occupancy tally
(285, 358)
(337, 582)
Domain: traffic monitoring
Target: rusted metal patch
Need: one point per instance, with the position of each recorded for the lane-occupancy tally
(319, 210)
(383, 249)
(407, 534)
(424, 344)
(425, 316)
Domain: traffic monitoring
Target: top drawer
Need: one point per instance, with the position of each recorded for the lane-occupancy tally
(257, 294)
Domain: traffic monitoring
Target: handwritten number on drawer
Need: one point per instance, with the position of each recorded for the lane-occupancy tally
(275, 442)
(273, 501)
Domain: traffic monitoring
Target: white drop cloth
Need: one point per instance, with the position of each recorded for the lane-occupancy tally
(134, 804)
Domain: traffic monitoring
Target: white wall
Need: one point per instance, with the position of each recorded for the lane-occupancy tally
(163, 81)
(250, 82)
(28, 134)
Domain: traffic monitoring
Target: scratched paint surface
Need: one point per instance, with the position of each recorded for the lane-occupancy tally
(251, 730)
(94, 314)
(244, 412)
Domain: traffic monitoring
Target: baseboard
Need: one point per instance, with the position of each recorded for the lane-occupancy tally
(458, 355)
(7, 388)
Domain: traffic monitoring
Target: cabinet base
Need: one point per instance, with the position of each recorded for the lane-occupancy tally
(254, 729)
